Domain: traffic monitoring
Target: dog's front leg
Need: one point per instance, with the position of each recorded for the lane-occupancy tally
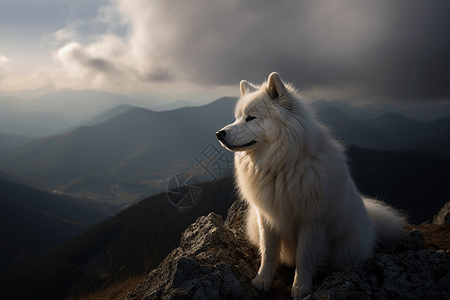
(311, 252)
(269, 246)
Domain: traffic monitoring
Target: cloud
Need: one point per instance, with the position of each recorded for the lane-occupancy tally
(379, 49)
(3, 66)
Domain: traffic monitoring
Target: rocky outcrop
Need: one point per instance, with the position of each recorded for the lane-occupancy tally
(421, 274)
(443, 216)
(215, 261)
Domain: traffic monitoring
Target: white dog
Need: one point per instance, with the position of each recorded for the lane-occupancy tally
(305, 210)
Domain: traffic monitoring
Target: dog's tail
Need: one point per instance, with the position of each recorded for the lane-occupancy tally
(387, 222)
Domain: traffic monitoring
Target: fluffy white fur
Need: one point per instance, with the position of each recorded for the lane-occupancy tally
(305, 210)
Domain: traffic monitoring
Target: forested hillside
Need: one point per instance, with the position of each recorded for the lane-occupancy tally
(133, 241)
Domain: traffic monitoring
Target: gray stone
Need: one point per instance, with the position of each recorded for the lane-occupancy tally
(212, 262)
(236, 215)
(421, 274)
(443, 216)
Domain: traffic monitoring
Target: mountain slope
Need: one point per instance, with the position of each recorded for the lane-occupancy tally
(88, 149)
(352, 131)
(78, 105)
(415, 182)
(390, 131)
(136, 145)
(9, 142)
(35, 221)
(137, 239)
(410, 133)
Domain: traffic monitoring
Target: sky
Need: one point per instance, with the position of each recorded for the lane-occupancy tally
(356, 50)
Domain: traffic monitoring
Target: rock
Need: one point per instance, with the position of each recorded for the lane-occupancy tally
(215, 261)
(412, 241)
(443, 216)
(236, 215)
(421, 274)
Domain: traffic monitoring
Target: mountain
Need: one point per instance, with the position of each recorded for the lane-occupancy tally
(7, 177)
(198, 98)
(30, 94)
(137, 145)
(411, 134)
(138, 238)
(108, 114)
(23, 120)
(78, 106)
(352, 131)
(57, 111)
(129, 145)
(51, 112)
(100, 118)
(390, 131)
(35, 221)
(174, 105)
(9, 142)
(419, 111)
(415, 182)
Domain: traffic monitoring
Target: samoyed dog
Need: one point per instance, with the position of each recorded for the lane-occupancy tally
(304, 208)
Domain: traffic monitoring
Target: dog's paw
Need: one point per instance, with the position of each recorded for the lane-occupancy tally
(299, 292)
(261, 283)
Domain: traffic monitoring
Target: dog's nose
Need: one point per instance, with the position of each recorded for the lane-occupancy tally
(221, 135)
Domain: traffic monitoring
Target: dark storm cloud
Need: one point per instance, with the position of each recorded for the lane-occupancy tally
(413, 60)
(394, 49)
(381, 49)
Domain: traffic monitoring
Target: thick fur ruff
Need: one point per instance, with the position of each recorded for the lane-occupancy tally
(305, 210)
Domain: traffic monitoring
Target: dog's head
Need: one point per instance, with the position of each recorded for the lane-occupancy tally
(256, 113)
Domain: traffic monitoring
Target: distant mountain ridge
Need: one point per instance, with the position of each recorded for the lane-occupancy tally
(59, 111)
(419, 111)
(390, 131)
(135, 145)
(49, 111)
(130, 145)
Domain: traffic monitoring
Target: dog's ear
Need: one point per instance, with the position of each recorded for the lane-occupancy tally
(277, 91)
(246, 87)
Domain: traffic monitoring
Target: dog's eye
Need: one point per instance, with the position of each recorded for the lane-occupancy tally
(249, 118)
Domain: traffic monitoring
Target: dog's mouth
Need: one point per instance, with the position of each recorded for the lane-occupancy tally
(236, 148)
(240, 147)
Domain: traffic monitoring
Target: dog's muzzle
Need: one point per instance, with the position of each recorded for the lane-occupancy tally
(221, 135)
